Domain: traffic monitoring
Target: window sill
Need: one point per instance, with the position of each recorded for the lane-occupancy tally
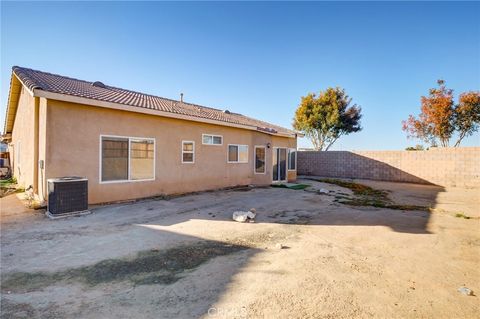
(127, 181)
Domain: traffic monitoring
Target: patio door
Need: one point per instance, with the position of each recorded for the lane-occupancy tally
(279, 165)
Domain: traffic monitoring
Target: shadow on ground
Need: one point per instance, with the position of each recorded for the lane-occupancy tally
(310, 206)
(184, 251)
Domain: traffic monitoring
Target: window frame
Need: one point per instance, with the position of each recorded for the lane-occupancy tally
(255, 160)
(188, 152)
(212, 135)
(129, 180)
(238, 154)
(288, 159)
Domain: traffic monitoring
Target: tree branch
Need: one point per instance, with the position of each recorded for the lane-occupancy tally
(460, 138)
(333, 141)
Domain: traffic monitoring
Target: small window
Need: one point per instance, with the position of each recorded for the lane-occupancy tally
(208, 139)
(260, 159)
(127, 159)
(292, 159)
(238, 153)
(188, 152)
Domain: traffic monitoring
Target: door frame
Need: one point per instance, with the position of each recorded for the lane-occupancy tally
(275, 150)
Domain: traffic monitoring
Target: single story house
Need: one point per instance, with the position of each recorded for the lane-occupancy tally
(133, 145)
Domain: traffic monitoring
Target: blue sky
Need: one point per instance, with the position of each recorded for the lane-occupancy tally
(257, 58)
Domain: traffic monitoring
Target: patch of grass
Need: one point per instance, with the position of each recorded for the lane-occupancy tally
(366, 196)
(357, 189)
(147, 267)
(9, 186)
(294, 186)
(380, 204)
(409, 207)
(12, 181)
(462, 215)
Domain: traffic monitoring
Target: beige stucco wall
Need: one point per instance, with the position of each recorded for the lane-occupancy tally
(73, 148)
(23, 140)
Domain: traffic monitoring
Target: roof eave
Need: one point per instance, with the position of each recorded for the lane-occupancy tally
(136, 109)
(12, 103)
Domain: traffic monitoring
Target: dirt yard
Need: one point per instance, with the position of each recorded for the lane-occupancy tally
(390, 251)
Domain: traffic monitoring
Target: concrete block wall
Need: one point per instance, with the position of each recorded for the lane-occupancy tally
(442, 166)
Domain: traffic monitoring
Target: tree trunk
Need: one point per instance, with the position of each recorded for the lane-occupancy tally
(444, 142)
(331, 143)
(460, 138)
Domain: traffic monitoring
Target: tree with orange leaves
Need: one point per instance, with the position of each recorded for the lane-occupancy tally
(467, 115)
(440, 117)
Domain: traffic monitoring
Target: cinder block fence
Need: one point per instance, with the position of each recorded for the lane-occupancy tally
(443, 166)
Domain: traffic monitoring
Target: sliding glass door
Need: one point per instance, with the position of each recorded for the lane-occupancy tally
(279, 164)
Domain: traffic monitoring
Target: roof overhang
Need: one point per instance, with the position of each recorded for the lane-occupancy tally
(136, 109)
(16, 88)
(13, 97)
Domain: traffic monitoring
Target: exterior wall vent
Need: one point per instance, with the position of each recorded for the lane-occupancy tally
(99, 84)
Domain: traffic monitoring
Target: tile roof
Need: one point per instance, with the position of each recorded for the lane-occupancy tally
(38, 80)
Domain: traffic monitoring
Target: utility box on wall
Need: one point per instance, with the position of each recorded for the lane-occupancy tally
(67, 196)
